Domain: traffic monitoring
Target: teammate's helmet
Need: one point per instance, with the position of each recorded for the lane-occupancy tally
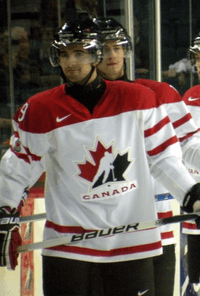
(77, 32)
(112, 30)
(194, 49)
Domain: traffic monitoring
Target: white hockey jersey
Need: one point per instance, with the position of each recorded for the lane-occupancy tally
(192, 99)
(185, 128)
(98, 167)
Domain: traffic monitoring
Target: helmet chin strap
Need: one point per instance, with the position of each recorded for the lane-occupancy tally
(85, 80)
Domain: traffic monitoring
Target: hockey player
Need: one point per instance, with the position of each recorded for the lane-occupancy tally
(70, 128)
(117, 46)
(113, 67)
(192, 99)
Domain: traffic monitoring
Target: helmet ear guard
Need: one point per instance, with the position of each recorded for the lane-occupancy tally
(54, 55)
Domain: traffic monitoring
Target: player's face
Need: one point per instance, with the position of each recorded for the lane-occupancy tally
(197, 58)
(75, 62)
(113, 61)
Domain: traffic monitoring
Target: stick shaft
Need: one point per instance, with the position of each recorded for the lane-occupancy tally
(107, 232)
(33, 218)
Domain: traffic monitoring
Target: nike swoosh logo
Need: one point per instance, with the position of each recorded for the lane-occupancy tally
(192, 99)
(143, 292)
(59, 119)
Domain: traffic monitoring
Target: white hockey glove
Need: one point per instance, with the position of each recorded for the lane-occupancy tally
(191, 202)
(10, 238)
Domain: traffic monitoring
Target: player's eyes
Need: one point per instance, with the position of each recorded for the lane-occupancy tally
(63, 55)
(109, 50)
(117, 48)
(76, 55)
(106, 49)
(79, 54)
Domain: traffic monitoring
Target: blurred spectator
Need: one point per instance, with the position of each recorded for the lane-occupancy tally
(180, 72)
(26, 71)
(26, 75)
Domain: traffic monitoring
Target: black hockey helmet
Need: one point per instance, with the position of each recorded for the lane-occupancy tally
(84, 32)
(194, 49)
(113, 30)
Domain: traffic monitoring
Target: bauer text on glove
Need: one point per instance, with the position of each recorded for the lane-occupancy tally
(10, 238)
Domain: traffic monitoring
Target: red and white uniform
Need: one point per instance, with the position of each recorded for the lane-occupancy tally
(185, 127)
(192, 99)
(99, 167)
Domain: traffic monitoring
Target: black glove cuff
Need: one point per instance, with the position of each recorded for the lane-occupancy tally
(191, 197)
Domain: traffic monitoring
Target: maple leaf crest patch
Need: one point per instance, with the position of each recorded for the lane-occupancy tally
(104, 167)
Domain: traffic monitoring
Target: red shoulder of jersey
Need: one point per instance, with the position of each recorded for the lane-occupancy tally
(192, 96)
(165, 92)
(52, 109)
(36, 114)
(131, 96)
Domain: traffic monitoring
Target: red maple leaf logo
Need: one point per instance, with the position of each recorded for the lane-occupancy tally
(89, 170)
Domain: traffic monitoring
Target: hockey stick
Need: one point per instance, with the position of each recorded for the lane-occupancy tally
(33, 218)
(107, 232)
